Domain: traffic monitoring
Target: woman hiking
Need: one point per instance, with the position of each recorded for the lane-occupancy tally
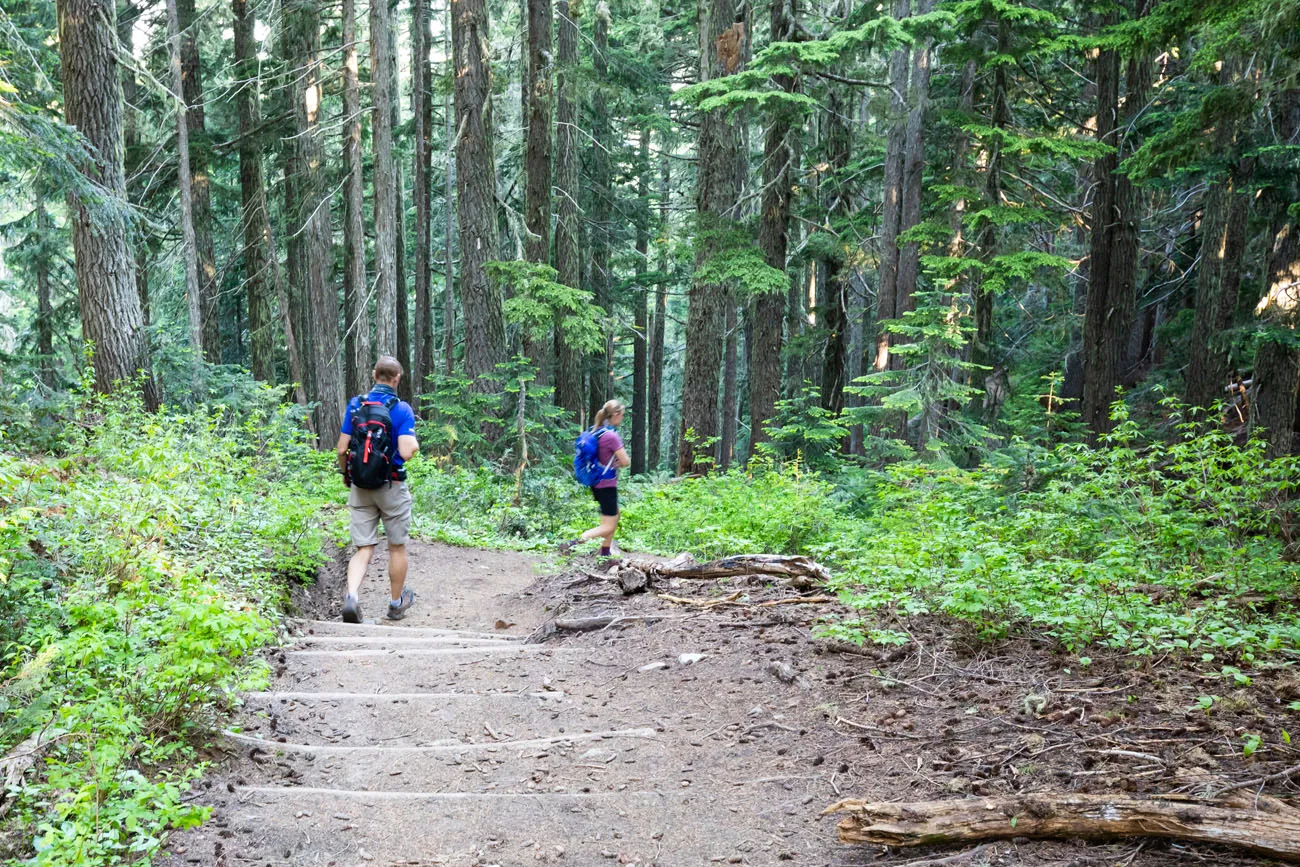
(610, 454)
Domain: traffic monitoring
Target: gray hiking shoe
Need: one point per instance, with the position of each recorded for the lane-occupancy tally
(351, 609)
(398, 611)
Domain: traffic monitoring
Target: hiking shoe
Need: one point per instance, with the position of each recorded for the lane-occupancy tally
(567, 547)
(351, 609)
(398, 611)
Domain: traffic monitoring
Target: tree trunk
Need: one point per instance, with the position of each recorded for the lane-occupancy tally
(909, 255)
(986, 233)
(1218, 284)
(422, 118)
(399, 222)
(641, 337)
(716, 198)
(422, 115)
(130, 14)
(200, 184)
(656, 362)
(1113, 255)
(568, 374)
(1265, 825)
(1277, 359)
(730, 386)
(476, 192)
(384, 180)
(602, 196)
(92, 91)
(774, 239)
(189, 248)
(892, 199)
(357, 354)
(537, 160)
(448, 204)
(258, 251)
(832, 298)
(537, 94)
(311, 220)
(403, 300)
(44, 301)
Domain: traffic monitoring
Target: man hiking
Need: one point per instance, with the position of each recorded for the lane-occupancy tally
(378, 436)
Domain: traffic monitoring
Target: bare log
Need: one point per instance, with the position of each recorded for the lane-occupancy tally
(685, 566)
(18, 761)
(1265, 826)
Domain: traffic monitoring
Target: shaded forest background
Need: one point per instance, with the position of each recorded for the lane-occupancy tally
(944, 224)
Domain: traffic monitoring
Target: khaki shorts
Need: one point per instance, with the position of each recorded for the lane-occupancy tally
(392, 503)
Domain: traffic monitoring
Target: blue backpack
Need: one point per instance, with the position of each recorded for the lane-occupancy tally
(587, 468)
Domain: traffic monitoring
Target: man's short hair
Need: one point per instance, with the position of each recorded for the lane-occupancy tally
(387, 369)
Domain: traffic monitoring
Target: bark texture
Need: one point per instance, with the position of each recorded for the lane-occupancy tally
(774, 239)
(476, 192)
(310, 218)
(909, 255)
(986, 231)
(357, 354)
(1277, 359)
(1264, 826)
(44, 301)
(195, 302)
(384, 180)
(1218, 285)
(422, 118)
(200, 158)
(258, 257)
(1113, 253)
(448, 202)
(111, 316)
(716, 198)
(892, 202)
(602, 201)
(657, 360)
(538, 97)
(832, 299)
(568, 374)
(641, 336)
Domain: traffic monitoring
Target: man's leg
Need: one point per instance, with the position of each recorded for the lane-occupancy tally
(396, 569)
(357, 567)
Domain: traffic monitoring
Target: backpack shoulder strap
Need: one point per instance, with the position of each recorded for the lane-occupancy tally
(391, 402)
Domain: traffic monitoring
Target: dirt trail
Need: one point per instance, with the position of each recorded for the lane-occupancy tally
(682, 735)
(444, 740)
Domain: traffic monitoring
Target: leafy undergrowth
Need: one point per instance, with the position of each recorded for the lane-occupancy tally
(1156, 547)
(140, 568)
(1179, 545)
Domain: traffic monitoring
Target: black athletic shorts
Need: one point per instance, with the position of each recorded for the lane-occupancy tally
(608, 499)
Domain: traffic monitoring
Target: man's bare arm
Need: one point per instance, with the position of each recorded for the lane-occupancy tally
(407, 446)
(342, 451)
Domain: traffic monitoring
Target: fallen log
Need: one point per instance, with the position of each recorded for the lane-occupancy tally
(800, 568)
(732, 599)
(1263, 825)
(18, 761)
(587, 624)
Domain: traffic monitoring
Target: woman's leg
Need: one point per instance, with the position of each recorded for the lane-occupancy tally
(608, 523)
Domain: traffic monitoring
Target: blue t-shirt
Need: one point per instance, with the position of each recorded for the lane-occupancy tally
(402, 414)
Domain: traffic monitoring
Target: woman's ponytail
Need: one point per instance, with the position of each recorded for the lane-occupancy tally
(608, 411)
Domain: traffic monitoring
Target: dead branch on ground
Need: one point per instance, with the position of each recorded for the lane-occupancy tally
(1263, 825)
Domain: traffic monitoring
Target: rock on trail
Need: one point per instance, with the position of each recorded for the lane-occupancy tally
(442, 740)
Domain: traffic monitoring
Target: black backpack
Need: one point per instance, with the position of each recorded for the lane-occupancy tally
(370, 452)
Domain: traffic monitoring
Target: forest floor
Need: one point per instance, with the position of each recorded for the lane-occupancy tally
(451, 738)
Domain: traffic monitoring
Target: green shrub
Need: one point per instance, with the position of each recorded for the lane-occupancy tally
(142, 568)
(763, 510)
(1148, 546)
